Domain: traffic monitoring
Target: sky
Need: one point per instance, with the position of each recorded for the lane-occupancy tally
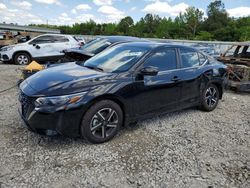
(68, 12)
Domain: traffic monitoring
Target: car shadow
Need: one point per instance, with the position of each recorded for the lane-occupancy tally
(58, 140)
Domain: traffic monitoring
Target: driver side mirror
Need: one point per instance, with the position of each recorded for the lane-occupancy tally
(149, 71)
(36, 46)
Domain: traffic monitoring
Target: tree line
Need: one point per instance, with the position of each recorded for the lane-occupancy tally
(191, 25)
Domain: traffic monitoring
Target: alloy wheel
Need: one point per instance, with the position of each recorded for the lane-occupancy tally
(211, 96)
(22, 60)
(104, 123)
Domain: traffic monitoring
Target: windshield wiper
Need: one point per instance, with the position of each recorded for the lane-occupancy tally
(94, 68)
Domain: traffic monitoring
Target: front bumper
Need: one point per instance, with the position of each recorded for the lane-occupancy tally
(4, 57)
(66, 122)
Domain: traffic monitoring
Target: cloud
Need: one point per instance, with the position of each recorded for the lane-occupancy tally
(49, 2)
(84, 18)
(112, 14)
(2, 6)
(22, 4)
(133, 9)
(159, 7)
(102, 2)
(19, 16)
(83, 7)
(64, 14)
(65, 19)
(239, 11)
(73, 11)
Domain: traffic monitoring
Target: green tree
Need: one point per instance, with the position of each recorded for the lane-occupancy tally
(204, 35)
(189, 25)
(151, 22)
(125, 24)
(217, 16)
(192, 17)
(164, 28)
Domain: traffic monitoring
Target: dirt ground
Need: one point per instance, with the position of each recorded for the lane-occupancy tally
(189, 148)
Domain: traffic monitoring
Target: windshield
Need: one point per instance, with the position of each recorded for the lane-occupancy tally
(96, 46)
(116, 59)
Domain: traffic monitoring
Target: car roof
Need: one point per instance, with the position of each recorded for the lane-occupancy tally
(115, 39)
(152, 45)
(53, 34)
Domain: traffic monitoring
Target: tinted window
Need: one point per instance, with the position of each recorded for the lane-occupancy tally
(96, 46)
(164, 59)
(43, 39)
(202, 58)
(248, 49)
(189, 58)
(60, 39)
(116, 59)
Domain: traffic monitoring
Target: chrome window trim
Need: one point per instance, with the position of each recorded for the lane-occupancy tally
(195, 67)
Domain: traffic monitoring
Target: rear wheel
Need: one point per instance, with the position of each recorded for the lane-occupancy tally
(102, 121)
(210, 98)
(22, 58)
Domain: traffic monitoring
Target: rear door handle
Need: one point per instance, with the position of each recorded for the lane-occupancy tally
(176, 78)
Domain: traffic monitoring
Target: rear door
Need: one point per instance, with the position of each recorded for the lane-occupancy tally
(60, 43)
(191, 75)
(158, 93)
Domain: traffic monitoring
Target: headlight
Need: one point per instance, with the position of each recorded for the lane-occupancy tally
(6, 48)
(59, 102)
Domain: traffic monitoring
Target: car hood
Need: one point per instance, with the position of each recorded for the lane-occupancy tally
(13, 46)
(65, 79)
(18, 45)
(77, 50)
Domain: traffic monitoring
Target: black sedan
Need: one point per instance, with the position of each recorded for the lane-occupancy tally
(96, 46)
(120, 85)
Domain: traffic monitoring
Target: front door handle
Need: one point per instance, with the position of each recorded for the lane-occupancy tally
(176, 79)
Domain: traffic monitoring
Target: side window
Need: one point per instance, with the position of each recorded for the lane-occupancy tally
(189, 58)
(60, 39)
(248, 49)
(164, 60)
(202, 58)
(42, 40)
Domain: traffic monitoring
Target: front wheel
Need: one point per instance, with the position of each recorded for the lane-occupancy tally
(22, 59)
(102, 121)
(210, 98)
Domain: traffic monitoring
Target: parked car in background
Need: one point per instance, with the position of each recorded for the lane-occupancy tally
(95, 46)
(237, 58)
(46, 47)
(80, 39)
(206, 49)
(122, 84)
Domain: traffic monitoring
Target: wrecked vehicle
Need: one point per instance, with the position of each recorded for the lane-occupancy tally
(46, 47)
(95, 46)
(237, 58)
(81, 53)
(126, 83)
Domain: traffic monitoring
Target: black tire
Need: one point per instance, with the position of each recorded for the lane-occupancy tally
(22, 58)
(101, 122)
(210, 98)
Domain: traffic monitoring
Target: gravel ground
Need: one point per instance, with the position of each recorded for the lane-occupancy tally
(189, 148)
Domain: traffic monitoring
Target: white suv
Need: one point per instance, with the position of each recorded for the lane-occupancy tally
(46, 47)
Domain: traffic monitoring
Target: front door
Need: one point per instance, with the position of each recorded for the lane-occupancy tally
(42, 46)
(161, 92)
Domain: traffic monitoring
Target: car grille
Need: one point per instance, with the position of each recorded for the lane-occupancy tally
(27, 104)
